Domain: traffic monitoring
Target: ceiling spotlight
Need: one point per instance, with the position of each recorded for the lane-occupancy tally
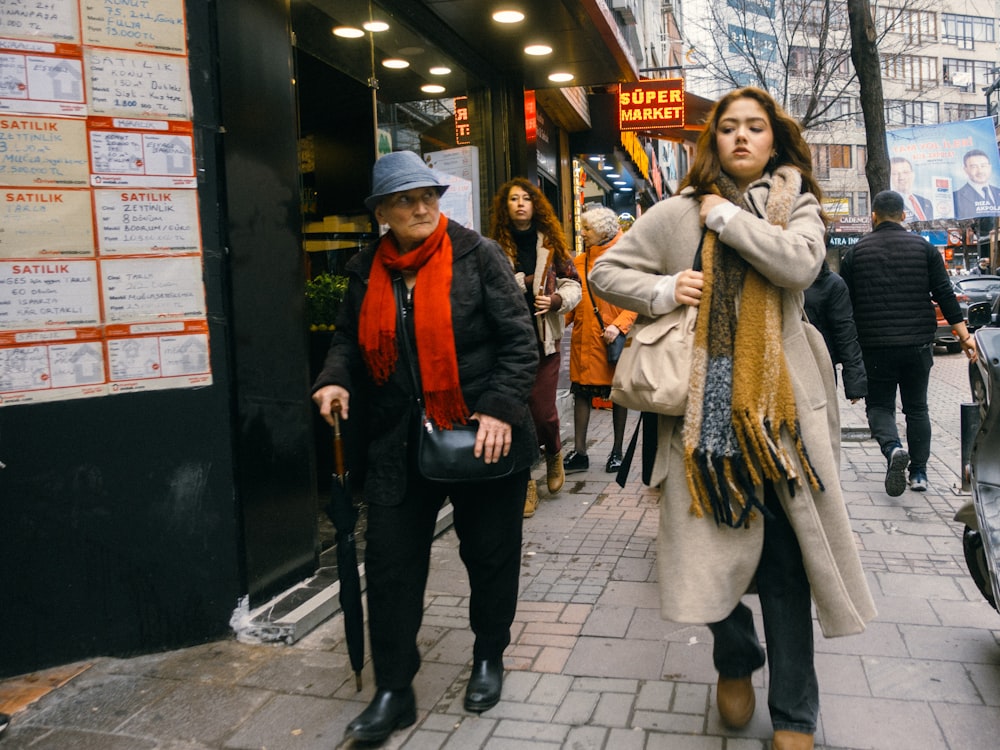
(561, 77)
(348, 32)
(395, 63)
(626, 190)
(612, 175)
(432, 88)
(440, 70)
(538, 50)
(508, 16)
(620, 182)
(375, 26)
(594, 158)
(607, 168)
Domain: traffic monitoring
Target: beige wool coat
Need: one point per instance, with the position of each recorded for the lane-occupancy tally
(703, 568)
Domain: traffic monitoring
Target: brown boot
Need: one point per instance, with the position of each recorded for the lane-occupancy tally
(736, 700)
(530, 499)
(788, 740)
(554, 474)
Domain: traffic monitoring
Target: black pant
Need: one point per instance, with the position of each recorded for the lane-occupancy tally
(908, 369)
(487, 519)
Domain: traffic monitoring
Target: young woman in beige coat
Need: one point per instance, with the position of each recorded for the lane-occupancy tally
(749, 476)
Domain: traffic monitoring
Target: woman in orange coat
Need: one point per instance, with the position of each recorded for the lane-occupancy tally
(589, 370)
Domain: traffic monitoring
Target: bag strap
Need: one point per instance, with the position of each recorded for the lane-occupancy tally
(403, 337)
(647, 424)
(593, 302)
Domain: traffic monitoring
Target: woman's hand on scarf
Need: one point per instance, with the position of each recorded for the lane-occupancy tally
(330, 398)
(493, 438)
(708, 202)
(687, 287)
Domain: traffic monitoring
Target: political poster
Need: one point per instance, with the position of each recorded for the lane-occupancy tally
(948, 171)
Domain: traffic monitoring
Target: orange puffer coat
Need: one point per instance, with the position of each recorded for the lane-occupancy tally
(588, 359)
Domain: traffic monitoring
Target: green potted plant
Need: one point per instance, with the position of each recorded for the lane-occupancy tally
(324, 294)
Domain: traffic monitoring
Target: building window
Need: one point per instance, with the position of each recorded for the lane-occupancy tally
(862, 159)
(820, 16)
(918, 26)
(754, 45)
(957, 111)
(965, 31)
(899, 112)
(968, 75)
(917, 72)
(862, 203)
(829, 156)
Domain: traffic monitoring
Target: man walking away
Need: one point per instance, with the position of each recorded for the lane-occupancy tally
(892, 275)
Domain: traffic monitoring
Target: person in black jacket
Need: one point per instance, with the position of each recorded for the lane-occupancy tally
(828, 306)
(892, 275)
(475, 350)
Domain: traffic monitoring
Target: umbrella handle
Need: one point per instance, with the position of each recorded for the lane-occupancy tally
(338, 447)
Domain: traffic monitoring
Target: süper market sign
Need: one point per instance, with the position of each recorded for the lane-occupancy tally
(649, 105)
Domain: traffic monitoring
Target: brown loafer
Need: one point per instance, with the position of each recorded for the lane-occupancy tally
(788, 740)
(736, 701)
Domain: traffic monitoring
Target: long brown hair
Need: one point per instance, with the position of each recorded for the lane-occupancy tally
(789, 144)
(544, 218)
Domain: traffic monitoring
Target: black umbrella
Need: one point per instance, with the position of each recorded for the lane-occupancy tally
(344, 516)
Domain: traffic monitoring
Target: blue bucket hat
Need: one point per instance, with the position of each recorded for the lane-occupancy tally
(398, 172)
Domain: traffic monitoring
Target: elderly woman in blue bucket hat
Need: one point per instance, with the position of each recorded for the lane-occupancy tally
(476, 358)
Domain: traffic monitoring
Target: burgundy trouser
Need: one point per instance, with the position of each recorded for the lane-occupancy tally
(542, 403)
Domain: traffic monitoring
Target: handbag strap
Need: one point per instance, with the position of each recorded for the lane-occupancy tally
(593, 302)
(403, 336)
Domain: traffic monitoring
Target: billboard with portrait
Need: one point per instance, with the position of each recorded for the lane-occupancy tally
(949, 171)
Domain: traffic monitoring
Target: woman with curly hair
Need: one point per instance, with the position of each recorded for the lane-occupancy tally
(528, 230)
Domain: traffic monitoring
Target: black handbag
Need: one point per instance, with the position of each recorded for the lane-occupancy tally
(444, 455)
(615, 348)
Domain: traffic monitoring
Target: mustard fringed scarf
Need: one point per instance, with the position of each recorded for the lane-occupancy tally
(741, 395)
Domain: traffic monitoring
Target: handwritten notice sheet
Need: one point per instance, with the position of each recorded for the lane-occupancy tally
(101, 278)
(43, 151)
(136, 24)
(44, 222)
(152, 289)
(49, 20)
(152, 159)
(136, 222)
(127, 84)
(41, 84)
(46, 294)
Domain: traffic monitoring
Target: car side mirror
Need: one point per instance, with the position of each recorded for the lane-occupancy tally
(979, 315)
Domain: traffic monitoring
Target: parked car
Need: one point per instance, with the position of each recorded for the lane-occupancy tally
(944, 335)
(976, 289)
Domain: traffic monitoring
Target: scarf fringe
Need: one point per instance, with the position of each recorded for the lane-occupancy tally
(725, 469)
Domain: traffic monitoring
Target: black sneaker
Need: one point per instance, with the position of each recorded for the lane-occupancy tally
(575, 462)
(614, 462)
(895, 474)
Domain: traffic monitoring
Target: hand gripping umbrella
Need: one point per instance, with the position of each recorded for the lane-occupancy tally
(344, 516)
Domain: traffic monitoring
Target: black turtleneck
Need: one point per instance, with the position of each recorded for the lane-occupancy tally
(526, 241)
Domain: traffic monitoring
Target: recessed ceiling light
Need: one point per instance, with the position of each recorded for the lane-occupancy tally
(594, 158)
(626, 190)
(620, 182)
(538, 50)
(508, 16)
(440, 70)
(612, 175)
(607, 168)
(375, 26)
(432, 88)
(395, 63)
(561, 77)
(348, 32)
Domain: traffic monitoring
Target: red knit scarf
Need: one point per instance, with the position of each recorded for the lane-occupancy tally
(435, 339)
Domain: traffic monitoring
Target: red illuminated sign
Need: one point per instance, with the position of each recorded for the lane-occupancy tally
(649, 105)
(463, 129)
(530, 117)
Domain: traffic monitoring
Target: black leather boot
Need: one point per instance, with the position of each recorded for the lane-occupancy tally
(389, 710)
(483, 691)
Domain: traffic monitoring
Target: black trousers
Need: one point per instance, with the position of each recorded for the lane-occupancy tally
(487, 519)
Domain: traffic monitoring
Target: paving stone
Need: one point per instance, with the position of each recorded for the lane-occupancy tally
(63, 739)
(299, 721)
(929, 586)
(577, 707)
(549, 732)
(911, 679)
(952, 644)
(664, 721)
(641, 660)
(967, 726)
(852, 722)
(608, 620)
(613, 710)
(657, 741)
(841, 674)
